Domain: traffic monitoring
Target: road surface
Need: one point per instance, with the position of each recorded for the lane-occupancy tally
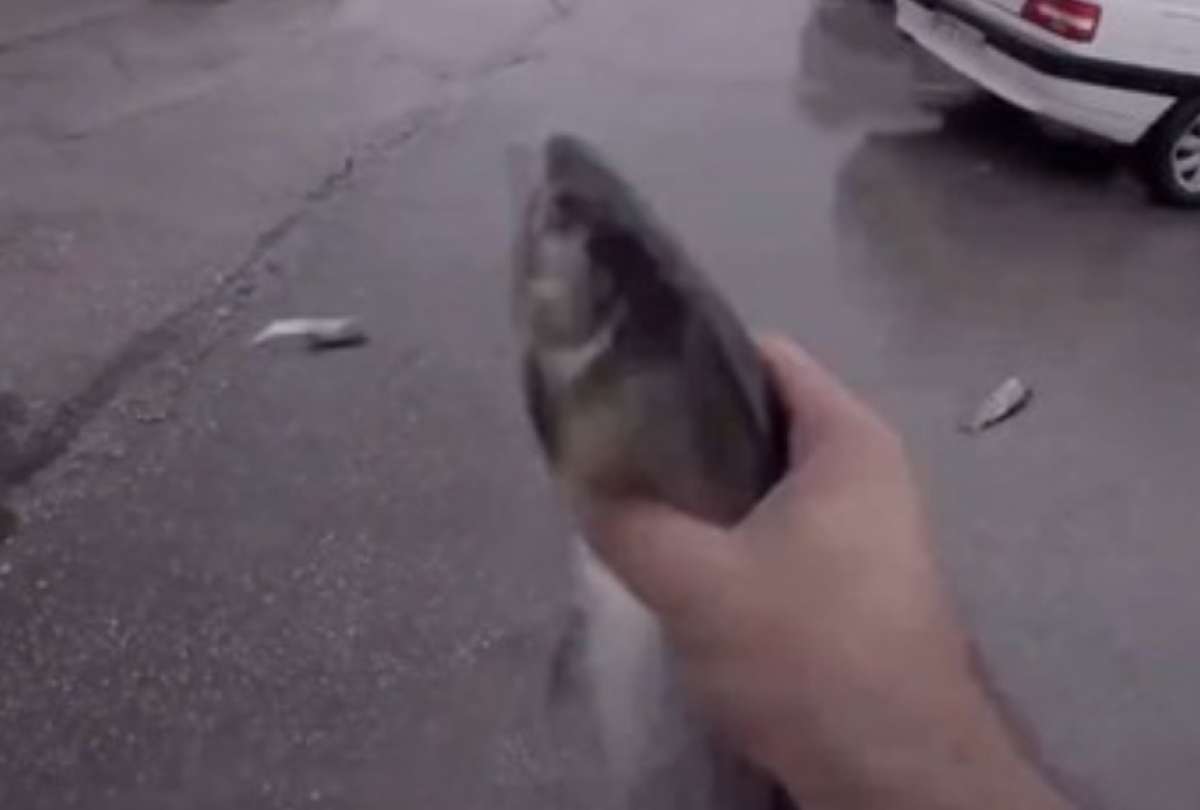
(251, 578)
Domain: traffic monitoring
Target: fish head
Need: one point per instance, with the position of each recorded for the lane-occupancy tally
(568, 289)
(639, 377)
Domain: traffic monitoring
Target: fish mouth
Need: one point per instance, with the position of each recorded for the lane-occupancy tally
(563, 186)
(565, 297)
(570, 160)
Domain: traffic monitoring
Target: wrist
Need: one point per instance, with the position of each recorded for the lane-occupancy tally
(970, 761)
(966, 775)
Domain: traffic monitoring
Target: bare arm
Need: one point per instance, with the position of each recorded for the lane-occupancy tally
(818, 633)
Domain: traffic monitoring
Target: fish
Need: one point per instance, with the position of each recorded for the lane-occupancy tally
(318, 333)
(1010, 398)
(640, 381)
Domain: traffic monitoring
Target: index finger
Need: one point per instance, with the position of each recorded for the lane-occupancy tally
(674, 563)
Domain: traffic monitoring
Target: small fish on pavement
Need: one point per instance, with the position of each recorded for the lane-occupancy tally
(318, 333)
(1005, 402)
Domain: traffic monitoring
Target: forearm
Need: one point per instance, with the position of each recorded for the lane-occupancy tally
(972, 761)
(990, 777)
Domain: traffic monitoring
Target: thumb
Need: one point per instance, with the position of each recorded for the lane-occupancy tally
(818, 403)
(675, 564)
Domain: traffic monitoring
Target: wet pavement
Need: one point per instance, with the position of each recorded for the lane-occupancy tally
(263, 578)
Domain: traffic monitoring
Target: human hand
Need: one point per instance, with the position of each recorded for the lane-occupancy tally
(817, 633)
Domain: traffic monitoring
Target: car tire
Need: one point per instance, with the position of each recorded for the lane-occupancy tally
(1171, 156)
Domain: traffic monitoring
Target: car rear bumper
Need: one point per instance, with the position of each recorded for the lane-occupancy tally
(1116, 101)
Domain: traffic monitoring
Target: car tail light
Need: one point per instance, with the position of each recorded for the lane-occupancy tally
(1076, 20)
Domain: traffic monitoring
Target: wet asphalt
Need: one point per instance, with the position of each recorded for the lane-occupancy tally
(259, 578)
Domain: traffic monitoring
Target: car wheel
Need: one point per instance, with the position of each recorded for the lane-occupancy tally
(1171, 156)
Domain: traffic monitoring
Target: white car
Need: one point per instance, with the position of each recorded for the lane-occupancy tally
(1125, 70)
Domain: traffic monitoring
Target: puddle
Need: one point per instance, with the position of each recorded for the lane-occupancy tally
(856, 68)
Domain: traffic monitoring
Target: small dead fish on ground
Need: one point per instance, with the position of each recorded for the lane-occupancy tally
(1005, 402)
(640, 381)
(317, 333)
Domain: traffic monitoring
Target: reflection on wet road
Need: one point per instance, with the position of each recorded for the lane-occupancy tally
(982, 246)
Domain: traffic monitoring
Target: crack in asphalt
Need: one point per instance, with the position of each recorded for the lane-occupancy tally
(49, 441)
(53, 438)
(140, 113)
(82, 23)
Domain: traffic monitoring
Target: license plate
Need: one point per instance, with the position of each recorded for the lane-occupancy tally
(955, 31)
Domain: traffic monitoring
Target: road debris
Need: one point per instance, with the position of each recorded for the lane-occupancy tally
(1009, 399)
(318, 333)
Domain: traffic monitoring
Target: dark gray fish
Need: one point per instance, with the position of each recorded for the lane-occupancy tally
(640, 378)
(640, 381)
